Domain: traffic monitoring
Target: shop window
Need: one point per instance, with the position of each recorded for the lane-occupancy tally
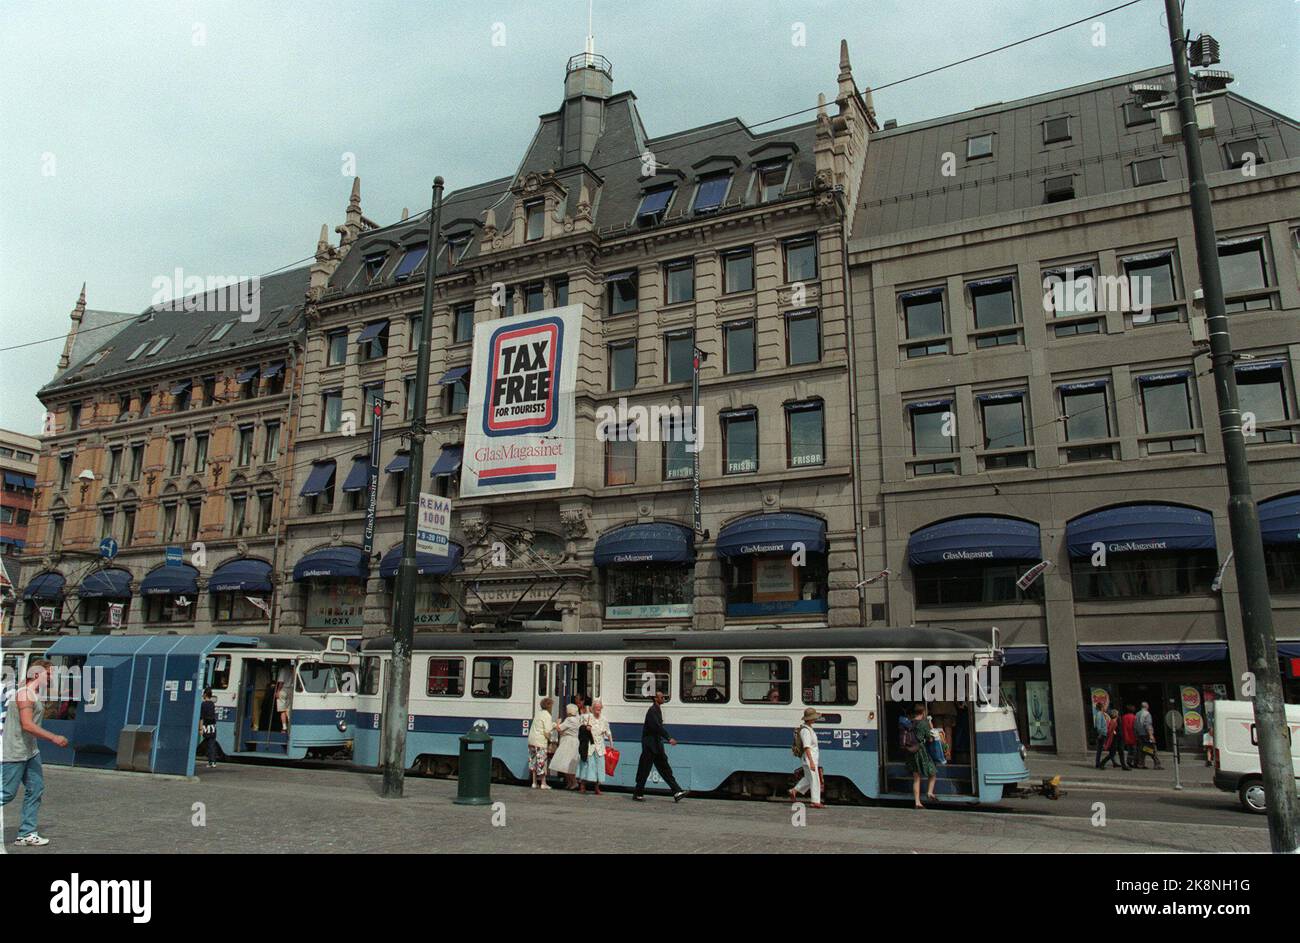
(445, 677)
(1146, 575)
(972, 583)
(493, 678)
(830, 681)
(771, 584)
(236, 607)
(645, 677)
(765, 681)
(649, 591)
(161, 609)
(706, 679)
(335, 603)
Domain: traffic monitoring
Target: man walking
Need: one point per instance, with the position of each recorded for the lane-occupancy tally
(811, 754)
(1100, 726)
(1146, 735)
(653, 735)
(20, 755)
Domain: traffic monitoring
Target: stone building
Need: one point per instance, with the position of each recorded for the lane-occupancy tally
(18, 454)
(1024, 278)
(717, 237)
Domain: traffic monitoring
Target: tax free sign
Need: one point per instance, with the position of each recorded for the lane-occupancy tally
(519, 427)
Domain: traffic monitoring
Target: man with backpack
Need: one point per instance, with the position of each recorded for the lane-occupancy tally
(806, 748)
(19, 752)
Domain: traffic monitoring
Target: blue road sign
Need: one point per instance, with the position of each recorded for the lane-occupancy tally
(108, 548)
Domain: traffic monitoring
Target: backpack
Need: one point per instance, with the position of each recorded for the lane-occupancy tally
(797, 747)
(907, 740)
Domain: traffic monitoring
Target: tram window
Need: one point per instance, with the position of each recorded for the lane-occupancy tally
(706, 680)
(765, 680)
(643, 677)
(446, 677)
(11, 663)
(493, 677)
(830, 680)
(65, 689)
(317, 678)
(220, 674)
(370, 675)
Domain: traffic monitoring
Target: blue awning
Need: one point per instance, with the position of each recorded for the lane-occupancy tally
(448, 462)
(273, 370)
(400, 463)
(1279, 520)
(645, 543)
(452, 375)
(1024, 655)
(29, 482)
(1288, 649)
(106, 584)
(171, 581)
(13, 542)
(772, 533)
(426, 564)
(1177, 654)
(974, 538)
(319, 479)
(371, 331)
(1140, 528)
(332, 562)
(358, 475)
(48, 585)
(241, 576)
(411, 260)
(243, 376)
(16, 480)
(655, 201)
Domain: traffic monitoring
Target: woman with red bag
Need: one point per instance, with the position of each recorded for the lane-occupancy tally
(592, 769)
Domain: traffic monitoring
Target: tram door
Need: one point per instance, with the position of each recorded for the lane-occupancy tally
(948, 692)
(565, 680)
(260, 725)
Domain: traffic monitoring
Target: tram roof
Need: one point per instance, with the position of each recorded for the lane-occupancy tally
(296, 643)
(923, 638)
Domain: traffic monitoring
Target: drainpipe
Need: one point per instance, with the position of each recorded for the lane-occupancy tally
(859, 542)
(291, 428)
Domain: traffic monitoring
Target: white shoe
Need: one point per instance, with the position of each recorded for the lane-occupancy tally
(32, 839)
(543, 786)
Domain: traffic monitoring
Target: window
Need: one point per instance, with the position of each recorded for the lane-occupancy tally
(933, 434)
(265, 511)
(801, 259)
(645, 677)
(169, 522)
(493, 677)
(1056, 130)
(972, 583)
(622, 365)
(738, 347)
(1240, 153)
(679, 357)
(114, 464)
(740, 441)
(336, 351)
(332, 411)
(771, 181)
(274, 378)
(1135, 114)
(621, 293)
(372, 397)
(445, 677)
(137, 461)
(706, 679)
(1151, 170)
(123, 406)
(178, 455)
(194, 507)
(993, 302)
(620, 456)
(238, 514)
(560, 291)
(138, 351)
(1087, 417)
(535, 220)
(679, 281)
(765, 680)
(678, 460)
(412, 258)
(248, 382)
(408, 399)
(56, 531)
(373, 341)
(980, 145)
(1261, 394)
(413, 324)
(166, 608)
(831, 681)
(457, 246)
(463, 314)
(1167, 408)
(1071, 292)
(244, 456)
(458, 396)
(158, 345)
(1145, 575)
(1244, 273)
(1151, 288)
(1282, 564)
(803, 337)
(74, 416)
(182, 395)
(200, 453)
(221, 331)
(128, 526)
(271, 446)
(65, 471)
(804, 435)
(146, 403)
(372, 266)
(534, 297)
(923, 317)
(711, 191)
(1003, 416)
(106, 524)
(1058, 189)
(654, 204)
(737, 270)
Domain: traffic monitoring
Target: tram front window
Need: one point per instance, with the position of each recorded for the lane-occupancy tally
(317, 678)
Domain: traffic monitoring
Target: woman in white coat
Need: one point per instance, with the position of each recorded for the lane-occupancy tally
(539, 737)
(566, 754)
(592, 770)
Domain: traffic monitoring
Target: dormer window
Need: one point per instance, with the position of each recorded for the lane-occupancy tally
(372, 265)
(221, 331)
(159, 344)
(456, 247)
(654, 204)
(535, 219)
(771, 181)
(138, 351)
(411, 260)
(710, 192)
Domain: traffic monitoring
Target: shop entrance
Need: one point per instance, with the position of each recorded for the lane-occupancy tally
(952, 711)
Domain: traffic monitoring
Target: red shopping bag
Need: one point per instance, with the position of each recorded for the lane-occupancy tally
(611, 761)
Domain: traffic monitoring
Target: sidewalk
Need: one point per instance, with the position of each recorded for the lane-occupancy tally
(1079, 770)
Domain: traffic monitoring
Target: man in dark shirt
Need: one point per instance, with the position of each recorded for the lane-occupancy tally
(653, 735)
(208, 725)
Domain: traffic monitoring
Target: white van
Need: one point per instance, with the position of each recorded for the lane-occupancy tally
(1236, 751)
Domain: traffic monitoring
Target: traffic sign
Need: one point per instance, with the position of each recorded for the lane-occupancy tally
(108, 548)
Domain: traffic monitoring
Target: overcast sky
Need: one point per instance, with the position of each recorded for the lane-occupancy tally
(139, 137)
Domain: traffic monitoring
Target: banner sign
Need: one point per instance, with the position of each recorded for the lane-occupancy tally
(433, 526)
(1031, 575)
(115, 615)
(519, 428)
(372, 480)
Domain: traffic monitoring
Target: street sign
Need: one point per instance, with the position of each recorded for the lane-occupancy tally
(1174, 719)
(175, 556)
(433, 526)
(108, 548)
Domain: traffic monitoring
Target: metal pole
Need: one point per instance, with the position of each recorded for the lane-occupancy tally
(393, 753)
(1247, 546)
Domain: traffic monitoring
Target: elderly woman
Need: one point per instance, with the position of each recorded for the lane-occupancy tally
(539, 737)
(592, 769)
(566, 754)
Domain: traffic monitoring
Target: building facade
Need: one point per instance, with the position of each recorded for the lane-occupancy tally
(717, 238)
(18, 460)
(1025, 280)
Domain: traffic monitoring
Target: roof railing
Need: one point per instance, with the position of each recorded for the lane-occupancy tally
(590, 60)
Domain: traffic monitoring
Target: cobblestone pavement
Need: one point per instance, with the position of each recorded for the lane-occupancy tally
(271, 809)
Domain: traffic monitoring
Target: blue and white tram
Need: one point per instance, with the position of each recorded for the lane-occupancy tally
(732, 701)
(322, 706)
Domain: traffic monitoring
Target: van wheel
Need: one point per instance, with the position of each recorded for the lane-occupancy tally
(1251, 793)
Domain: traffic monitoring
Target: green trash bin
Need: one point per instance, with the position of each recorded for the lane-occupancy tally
(475, 782)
